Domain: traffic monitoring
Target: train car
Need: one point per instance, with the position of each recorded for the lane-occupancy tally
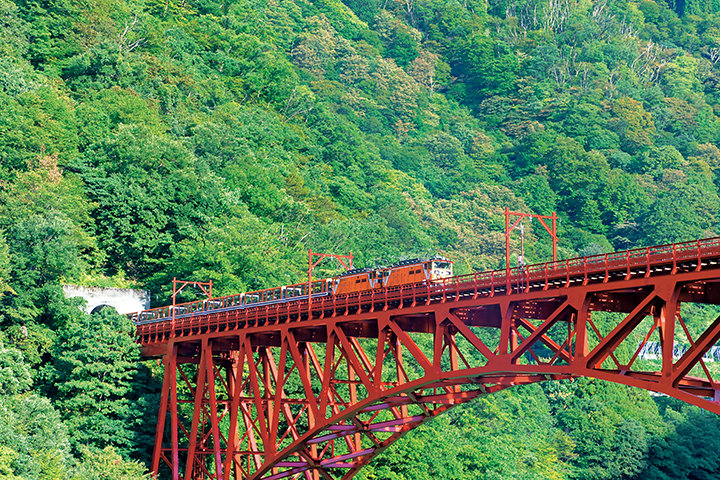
(405, 272)
(416, 270)
(352, 281)
(356, 280)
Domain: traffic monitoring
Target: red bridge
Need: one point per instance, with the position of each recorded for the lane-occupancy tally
(291, 390)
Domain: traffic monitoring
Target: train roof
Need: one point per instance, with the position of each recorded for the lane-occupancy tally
(418, 260)
(356, 271)
(399, 263)
(409, 261)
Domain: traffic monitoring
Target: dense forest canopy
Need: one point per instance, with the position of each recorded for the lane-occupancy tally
(220, 140)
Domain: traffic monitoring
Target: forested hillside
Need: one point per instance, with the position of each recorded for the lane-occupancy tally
(220, 140)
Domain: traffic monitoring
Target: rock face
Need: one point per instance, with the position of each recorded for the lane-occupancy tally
(123, 300)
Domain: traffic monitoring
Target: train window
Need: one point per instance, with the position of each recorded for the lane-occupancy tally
(441, 269)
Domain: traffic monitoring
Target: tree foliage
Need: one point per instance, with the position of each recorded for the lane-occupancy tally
(93, 380)
(222, 140)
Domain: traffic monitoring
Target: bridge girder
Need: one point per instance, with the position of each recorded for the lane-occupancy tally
(292, 393)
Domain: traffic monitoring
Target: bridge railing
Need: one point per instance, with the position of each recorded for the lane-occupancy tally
(606, 263)
(667, 256)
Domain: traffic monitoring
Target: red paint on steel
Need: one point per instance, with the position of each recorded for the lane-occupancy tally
(322, 256)
(179, 286)
(311, 391)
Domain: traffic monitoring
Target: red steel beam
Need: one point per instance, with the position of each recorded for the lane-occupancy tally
(375, 379)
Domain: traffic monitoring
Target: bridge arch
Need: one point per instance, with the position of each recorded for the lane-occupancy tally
(298, 391)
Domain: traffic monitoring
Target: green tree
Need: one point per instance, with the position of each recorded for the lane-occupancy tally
(93, 378)
(685, 452)
(633, 123)
(681, 76)
(45, 188)
(31, 429)
(7, 458)
(610, 425)
(509, 435)
(13, 34)
(148, 194)
(485, 66)
(15, 375)
(398, 39)
(37, 121)
(686, 206)
(44, 250)
(106, 464)
(5, 263)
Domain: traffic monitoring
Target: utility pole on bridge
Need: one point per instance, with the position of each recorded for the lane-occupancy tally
(509, 228)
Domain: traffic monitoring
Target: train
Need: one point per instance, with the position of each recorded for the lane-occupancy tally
(406, 272)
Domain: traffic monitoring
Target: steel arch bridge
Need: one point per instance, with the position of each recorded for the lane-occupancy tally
(293, 390)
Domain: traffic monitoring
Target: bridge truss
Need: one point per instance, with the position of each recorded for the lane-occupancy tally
(297, 391)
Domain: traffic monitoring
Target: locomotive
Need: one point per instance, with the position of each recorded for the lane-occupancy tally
(401, 273)
(418, 270)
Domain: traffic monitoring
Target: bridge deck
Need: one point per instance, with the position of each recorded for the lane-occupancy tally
(611, 267)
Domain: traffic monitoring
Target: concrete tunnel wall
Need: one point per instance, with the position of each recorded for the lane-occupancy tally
(124, 300)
